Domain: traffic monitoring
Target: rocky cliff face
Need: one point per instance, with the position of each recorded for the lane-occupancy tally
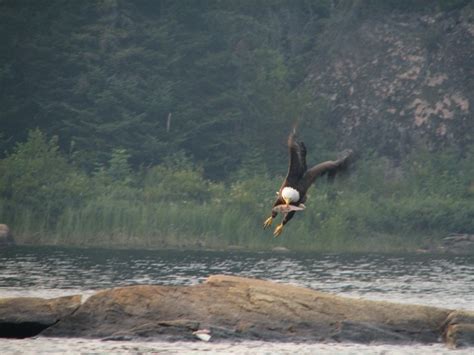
(409, 75)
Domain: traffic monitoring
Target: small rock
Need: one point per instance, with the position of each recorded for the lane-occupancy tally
(281, 250)
(203, 334)
(6, 237)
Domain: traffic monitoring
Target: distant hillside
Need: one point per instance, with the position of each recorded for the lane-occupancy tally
(223, 81)
(163, 123)
(395, 80)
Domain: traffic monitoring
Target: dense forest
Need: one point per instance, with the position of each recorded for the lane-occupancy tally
(163, 124)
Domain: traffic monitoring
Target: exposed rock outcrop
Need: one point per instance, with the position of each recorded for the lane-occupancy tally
(458, 244)
(400, 75)
(459, 329)
(28, 316)
(240, 308)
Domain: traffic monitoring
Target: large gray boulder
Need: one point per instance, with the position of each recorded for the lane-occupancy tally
(242, 308)
(229, 307)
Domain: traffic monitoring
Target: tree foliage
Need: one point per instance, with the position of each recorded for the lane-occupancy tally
(215, 79)
(135, 115)
(210, 78)
(173, 204)
(36, 176)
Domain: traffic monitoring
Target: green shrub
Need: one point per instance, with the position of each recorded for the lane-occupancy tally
(379, 207)
(35, 176)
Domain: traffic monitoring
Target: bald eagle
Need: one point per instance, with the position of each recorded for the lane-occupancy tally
(292, 193)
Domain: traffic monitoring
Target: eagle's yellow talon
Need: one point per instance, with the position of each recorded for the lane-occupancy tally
(278, 230)
(268, 222)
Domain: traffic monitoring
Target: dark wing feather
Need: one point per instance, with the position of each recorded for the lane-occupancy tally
(328, 167)
(297, 164)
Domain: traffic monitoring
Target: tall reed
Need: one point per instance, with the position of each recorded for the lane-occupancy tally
(365, 212)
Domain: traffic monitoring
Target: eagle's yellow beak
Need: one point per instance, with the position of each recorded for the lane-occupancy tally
(287, 201)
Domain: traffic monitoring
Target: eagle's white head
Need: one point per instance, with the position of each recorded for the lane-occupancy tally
(290, 195)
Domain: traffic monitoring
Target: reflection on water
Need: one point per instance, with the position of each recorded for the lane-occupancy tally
(443, 281)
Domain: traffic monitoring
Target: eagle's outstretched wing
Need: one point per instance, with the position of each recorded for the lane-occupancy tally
(329, 167)
(297, 164)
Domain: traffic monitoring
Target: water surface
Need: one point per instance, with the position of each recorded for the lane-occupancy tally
(435, 280)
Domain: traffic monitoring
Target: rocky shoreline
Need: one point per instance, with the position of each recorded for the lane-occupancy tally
(230, 308)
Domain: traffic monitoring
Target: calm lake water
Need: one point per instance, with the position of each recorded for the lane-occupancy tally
(435, 280)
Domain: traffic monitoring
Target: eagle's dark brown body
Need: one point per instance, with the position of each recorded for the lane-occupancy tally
(300, 178)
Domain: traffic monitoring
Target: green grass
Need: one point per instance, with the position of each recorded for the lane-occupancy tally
(168, 207)
(353, 222)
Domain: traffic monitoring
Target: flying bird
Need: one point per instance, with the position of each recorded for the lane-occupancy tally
(292, 193)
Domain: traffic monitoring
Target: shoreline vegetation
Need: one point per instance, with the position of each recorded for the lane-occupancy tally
(47, 200)
(162, 124)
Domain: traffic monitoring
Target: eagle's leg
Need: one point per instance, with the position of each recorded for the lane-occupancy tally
(286, 219)
(278, 230)
(269, 220)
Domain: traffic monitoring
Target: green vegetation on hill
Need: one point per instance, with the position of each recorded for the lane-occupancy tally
(219, 80)
(47, 200)
(161, 123)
